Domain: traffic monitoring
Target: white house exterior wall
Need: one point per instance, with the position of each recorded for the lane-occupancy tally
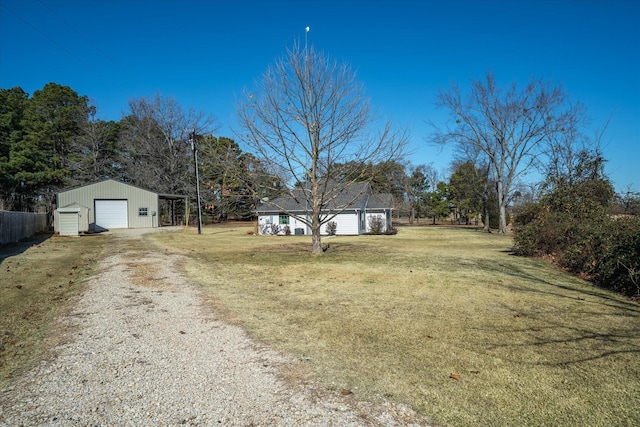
(295, 223)
(265, 220)
(347, 224)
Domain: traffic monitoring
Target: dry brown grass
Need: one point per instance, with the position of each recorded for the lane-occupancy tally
(446, 320)
(38, 278)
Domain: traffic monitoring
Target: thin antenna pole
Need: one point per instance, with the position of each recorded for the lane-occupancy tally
(306, 31)
(306, 71)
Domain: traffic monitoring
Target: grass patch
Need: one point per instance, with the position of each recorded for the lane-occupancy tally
(393, 317)
(37, 278)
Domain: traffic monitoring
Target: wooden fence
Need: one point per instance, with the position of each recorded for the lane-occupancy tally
(15, 226)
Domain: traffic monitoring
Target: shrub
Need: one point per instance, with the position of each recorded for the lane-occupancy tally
(573, 225)
(603, 250)
(376, 224)
(332, 228)
(617, 256)
(274, 229)
(391, 231)
(549, 234)
(287, 230)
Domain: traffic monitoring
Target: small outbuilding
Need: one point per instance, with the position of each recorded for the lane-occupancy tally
(67, 222)
(71, 220)
(113, 204)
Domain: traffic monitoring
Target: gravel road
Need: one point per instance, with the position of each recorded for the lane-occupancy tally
(152, 354)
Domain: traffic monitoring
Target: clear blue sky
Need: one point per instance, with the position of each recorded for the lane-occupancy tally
(204, 52)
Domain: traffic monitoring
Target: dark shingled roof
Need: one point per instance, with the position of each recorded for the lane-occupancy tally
(380, 201)
(357, 193)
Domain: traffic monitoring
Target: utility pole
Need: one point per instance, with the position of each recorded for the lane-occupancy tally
(194, 147)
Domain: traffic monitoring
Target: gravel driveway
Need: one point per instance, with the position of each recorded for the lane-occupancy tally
(152, 354)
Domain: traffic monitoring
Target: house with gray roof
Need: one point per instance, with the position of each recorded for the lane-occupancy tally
(353, 208)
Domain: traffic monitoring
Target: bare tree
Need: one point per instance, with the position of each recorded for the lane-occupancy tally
(95, 150)
(512, 128)
(308, 122)
(155, 138)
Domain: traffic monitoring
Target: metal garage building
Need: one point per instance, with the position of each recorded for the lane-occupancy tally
(114, 204)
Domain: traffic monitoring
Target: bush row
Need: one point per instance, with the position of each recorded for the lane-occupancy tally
(603, 249)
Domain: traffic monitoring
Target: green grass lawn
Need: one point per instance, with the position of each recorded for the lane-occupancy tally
(393, 317)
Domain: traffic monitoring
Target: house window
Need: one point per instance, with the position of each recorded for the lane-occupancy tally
(143, 212)
(284, 219)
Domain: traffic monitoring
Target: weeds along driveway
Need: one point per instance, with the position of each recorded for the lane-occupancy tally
(139, 347)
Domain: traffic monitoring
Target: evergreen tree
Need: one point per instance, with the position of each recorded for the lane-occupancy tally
(12, 105)
(466, 188)
(40, 144)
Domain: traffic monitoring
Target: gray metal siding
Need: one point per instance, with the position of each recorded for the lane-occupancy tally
(113, 190)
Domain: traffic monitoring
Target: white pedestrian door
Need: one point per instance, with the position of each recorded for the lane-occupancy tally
(111, 214)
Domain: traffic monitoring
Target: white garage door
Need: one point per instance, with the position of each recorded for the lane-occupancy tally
(68, 223)
(111, 214)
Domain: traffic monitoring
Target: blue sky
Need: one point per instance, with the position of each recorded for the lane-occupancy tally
(204, 52)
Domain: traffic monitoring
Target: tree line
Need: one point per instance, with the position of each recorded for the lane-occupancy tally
(309, 130)
(53, 140)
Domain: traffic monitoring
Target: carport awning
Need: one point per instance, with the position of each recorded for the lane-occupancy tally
(173, 197)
